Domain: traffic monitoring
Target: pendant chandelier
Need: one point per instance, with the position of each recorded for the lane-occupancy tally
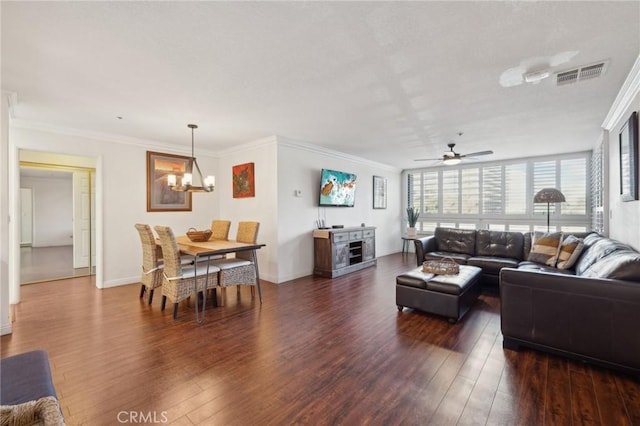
(186, 181)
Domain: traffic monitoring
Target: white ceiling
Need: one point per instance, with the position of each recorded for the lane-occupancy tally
(386, 81)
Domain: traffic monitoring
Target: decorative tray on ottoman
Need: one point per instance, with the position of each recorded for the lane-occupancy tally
(446, 266)
(198, 236)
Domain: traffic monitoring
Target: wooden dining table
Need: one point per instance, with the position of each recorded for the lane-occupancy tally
(209, 249)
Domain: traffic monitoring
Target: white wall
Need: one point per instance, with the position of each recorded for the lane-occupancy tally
(624, 217)
(52, 209)
(5, 317)
(263, 207)
(287, 221)
(299, 167)
(120, 196)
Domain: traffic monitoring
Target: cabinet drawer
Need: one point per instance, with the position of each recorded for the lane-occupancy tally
(368, 233)
(355, 235)
(339, 237)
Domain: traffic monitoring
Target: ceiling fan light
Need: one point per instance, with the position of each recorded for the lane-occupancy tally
(536, 76)
(451, 161)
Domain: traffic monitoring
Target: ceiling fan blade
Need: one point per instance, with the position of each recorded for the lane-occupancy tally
(427, 159)
(475, 154)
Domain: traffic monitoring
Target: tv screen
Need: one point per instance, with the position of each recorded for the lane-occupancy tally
(337, 188)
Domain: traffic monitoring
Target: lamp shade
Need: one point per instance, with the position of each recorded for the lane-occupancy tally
(549, 195)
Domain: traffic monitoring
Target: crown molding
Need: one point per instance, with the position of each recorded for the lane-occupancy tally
(628, 92)
(12, 101)
(258, 143)
(290, 143)
(106, 137)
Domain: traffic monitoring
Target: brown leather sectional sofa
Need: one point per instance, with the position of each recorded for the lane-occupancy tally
(590, 312)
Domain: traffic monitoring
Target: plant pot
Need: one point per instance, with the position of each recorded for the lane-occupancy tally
(412, 232)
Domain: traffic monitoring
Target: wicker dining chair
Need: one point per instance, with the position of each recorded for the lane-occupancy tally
(220, 229)
(179, 281)
(151, 262)
(239, 270)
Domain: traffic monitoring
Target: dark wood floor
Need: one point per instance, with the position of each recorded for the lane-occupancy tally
(318, 351)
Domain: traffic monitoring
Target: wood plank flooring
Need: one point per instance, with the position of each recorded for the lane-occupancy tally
(38, 264)
(318, 351)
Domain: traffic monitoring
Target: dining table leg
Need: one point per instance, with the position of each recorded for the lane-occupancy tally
(255, 265)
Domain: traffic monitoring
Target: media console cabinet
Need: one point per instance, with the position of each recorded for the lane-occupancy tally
(343, 250)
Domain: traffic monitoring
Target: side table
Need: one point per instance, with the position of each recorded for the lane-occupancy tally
(405, 243)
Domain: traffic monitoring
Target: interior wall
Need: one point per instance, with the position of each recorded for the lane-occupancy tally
(299, 169)
(624, 217)
(52, 210)
(5, 315)
(121, 199)
(262, 208)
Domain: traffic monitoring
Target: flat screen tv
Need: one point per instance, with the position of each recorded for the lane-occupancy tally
(337, 189)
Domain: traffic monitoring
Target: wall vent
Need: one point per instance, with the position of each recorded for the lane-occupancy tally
(585, 72)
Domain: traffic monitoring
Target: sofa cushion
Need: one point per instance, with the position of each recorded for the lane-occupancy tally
(492, 264)
(570, 251)
(545, 247)
(25, 377)
(454, 240)
(533, 266)
(528, 237)
(619, 265)
(439, 255)
(499, 244)
(597, 247)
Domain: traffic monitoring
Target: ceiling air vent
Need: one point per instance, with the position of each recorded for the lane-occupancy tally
(567, 77)
(585, 72)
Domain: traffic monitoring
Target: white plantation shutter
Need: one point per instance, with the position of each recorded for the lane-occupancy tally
(415, 190)
(450, 191)
(597, 189)
(431, 192)
(500, 195)
(515, 191)
(574, 184)
(544, 176)
(470, 191)
(492, 190)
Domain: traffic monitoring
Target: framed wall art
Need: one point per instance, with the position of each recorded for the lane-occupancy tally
(379, 192)
(160, 198)
(244, 184)
(629, 158)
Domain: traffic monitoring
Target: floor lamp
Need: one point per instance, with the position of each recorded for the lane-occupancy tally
(549, 195)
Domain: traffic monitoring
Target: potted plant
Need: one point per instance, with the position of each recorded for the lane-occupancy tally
(413, 213)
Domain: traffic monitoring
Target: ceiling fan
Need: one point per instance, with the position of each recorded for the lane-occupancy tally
(451, 157)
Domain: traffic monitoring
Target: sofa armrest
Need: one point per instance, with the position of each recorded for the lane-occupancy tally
(593, 318)
(423, 246)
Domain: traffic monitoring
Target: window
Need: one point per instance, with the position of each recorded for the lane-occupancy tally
(470, 191)
(450, 191)
(597, 190)
(499, 195)
(492, 190)
(515, 191)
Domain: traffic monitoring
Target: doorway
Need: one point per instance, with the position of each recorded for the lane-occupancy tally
(57, 222)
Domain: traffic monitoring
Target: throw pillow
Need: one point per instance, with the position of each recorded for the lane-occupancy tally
(545, 248)
(570, 251)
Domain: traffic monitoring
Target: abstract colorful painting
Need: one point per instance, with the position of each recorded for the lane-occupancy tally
(244, 184)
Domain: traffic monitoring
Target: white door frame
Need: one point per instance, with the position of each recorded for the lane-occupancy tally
(14, 225)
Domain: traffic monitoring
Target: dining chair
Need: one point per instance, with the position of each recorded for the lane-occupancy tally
(179, 280)
(240, 270)
(151, 262)
(220, 229)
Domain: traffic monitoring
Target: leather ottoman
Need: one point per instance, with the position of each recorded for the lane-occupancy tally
(447, 295)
